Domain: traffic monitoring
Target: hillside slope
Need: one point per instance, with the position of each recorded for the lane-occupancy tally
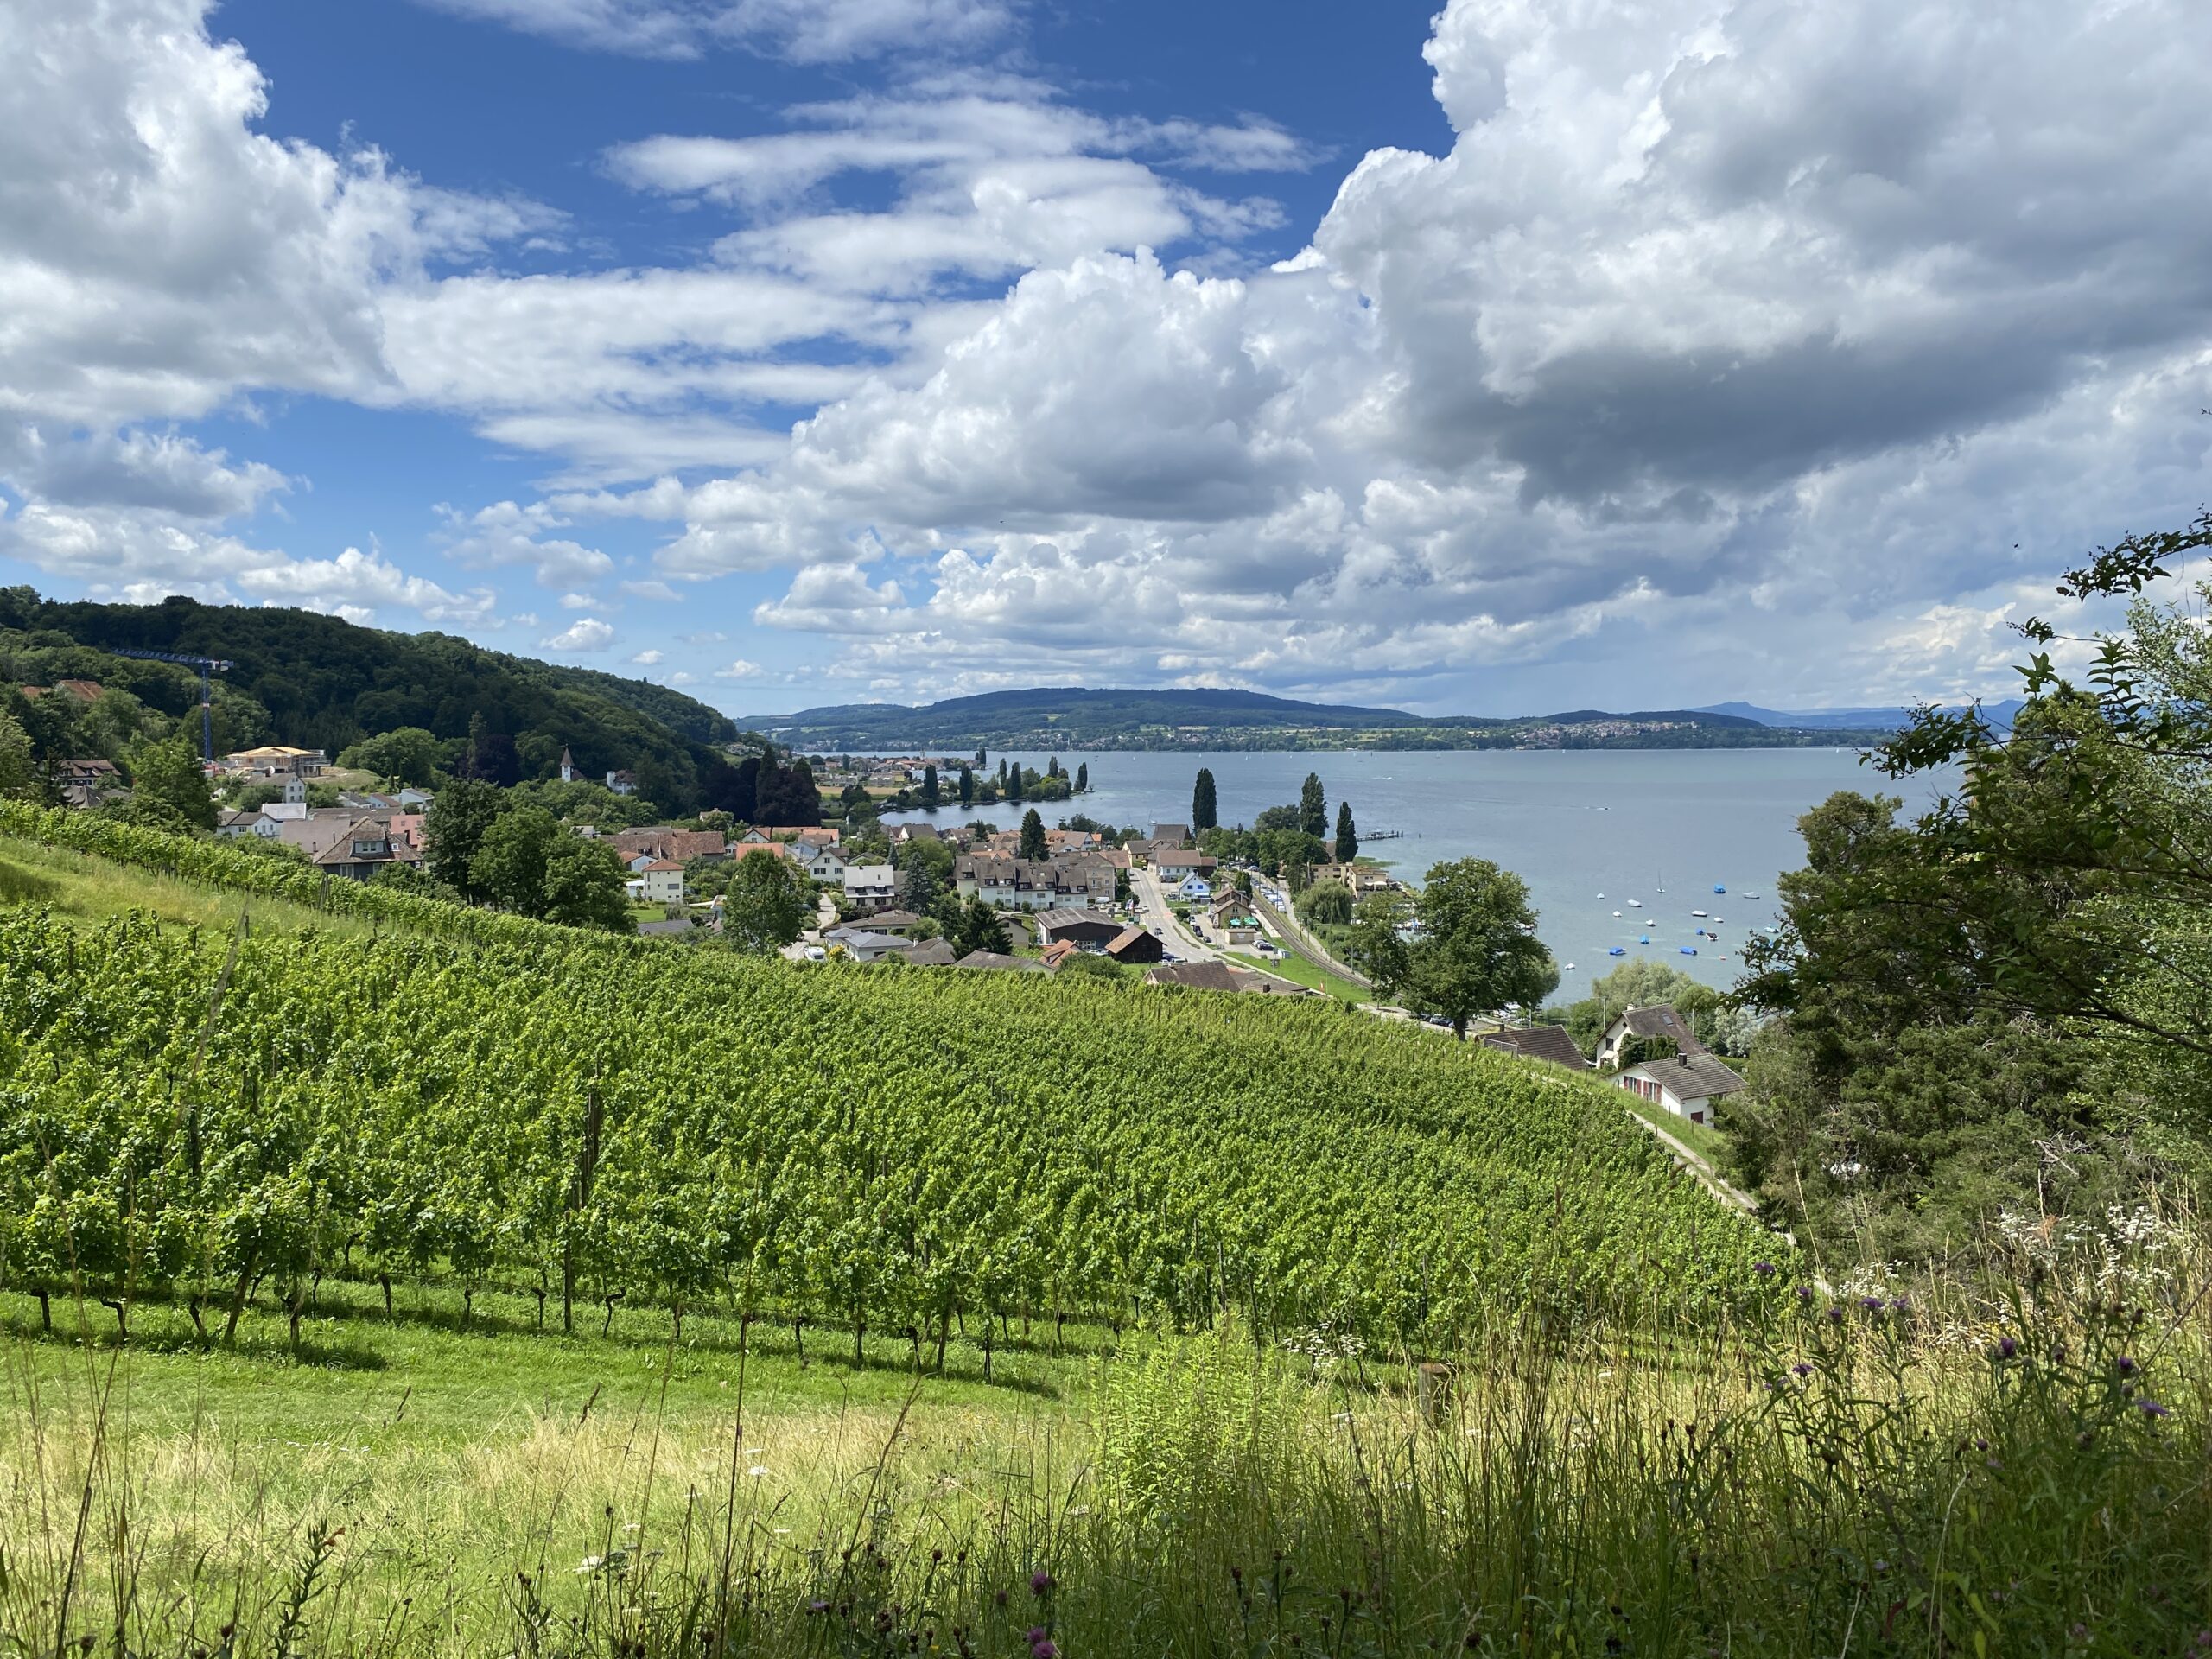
(324, 682)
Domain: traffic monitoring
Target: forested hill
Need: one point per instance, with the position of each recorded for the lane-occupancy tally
(1073, 717)
(320, 681)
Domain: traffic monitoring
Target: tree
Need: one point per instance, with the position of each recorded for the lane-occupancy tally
(930, 787)
(1639, 982)
(1014, 784)
(763, 909)
(1033, 835)
(1463, 947)
(408, 755)
(170, 773)
(979, 927)
(1325, 904)
(454, 828)
(1083, 778)
(967, 787)
(1205, 813)
(585, 885)
(509, 868)
(1052, 766)
(925, 874)
(18, 772)
(1347, 833)
(1312, 807)
(492, 756)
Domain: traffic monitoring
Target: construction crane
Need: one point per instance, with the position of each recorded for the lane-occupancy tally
(206, 665)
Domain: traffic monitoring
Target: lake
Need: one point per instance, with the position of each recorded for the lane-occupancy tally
(1573, 824)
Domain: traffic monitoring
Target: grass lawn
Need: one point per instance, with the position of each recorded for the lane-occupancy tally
(1300, 971)
(1700, 1138)
(92, 890)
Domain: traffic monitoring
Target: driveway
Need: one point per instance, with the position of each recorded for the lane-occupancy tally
(1153, 913)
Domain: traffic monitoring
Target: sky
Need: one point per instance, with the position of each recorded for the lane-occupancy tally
(1526, 355)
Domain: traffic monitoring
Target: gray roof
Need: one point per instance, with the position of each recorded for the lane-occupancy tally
(933, 953)
(1690, 1076)
(994, 959)
(1061, 917)
(1539, 1043)
(1661, 1019)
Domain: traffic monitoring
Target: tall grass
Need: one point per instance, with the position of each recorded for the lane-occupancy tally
(2015, 1463)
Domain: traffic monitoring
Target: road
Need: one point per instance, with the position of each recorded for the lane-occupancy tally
(1153, 911)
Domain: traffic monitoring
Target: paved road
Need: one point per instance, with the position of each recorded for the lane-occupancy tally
(1153, 911)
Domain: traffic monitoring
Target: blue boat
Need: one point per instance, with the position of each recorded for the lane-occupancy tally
(1617, 951)
(1717, 887)
(1643, 938)
(1689, 950)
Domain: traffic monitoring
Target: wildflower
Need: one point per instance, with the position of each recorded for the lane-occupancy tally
(1804, 1293)
(2124, 1365)
(2006, 1347)
(817, 1606)
(1801, 1369)
(1044, 1649)
(1036, 1633)
(1835, 1316)
(1903, 1305)
(1980, 1445)
(1764, 1269)
(1040, 1582)
(1873, 1303)
(2151, 1408)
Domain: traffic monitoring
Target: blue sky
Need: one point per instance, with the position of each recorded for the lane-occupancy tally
(1516, 357)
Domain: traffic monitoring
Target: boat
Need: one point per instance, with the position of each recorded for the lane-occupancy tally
(1601, 895)
(1568, 969)
(1697, 912)
(1617, 951)
(1616, 912)
(1643, 938)
(1689, 950)
(1751, 895)
(1717, 887)
(1638, 904)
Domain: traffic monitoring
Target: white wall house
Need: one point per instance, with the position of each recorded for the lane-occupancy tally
(1686, 1085)
(663, 879)
(822, 863)
(871, 887)
(1659, 1019)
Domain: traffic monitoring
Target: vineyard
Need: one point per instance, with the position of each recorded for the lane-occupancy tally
(213, 1118)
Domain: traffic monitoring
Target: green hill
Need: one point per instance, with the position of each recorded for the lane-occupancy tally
(320, 682)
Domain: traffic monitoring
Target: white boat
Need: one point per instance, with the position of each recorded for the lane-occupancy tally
(1616, 912)
(1568, 969)
(1601, 895)
(1697, 912)
(1636, 904)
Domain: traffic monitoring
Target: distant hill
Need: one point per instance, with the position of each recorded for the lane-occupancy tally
(1999, 714)
(1077, 718)
(323, 683)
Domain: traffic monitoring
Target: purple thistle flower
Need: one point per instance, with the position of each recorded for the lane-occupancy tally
(1903, 1305)
(1804, 1293)
(2124, 1365)
(2006, 1347)
(1044, 1649)
(1040, 1582)
(1801, 1369)
(1764, 1269)
(2151, 1408)
(1873, 1303)
(1037, 1633)
(1835, 1316)
(1980, 1445)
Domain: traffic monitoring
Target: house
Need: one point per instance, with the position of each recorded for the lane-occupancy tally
(1539, 1043)
(1360, 880)
(275, 759)
(1660, 1020)
(663, 879)
(865, 943)
(1193, 889)
(823, 863)
(1054, 955)
(933, 953)
(1176, 861)
(1171, 834)
(1235, 918)
(766, 849)
(900, 922)
(1684, 1084)
(904, 834)
(1136, 946)
(814, 837)
(88, 774)
(82, 691)
(994, 959)
(245, 821)
(623, 782)
(1086, 929)
(358, 850)
(1217, 976)
(871, 887)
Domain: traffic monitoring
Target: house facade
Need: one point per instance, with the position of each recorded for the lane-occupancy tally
(1686, 1085)
(871, 887)
(1658, 1019)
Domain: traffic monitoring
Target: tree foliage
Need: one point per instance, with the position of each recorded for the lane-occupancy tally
(169, 772)
(1312, 807)
(764, 907)
(1032, 845)
(1463, 947)
(1205, 807)
(1347, 848)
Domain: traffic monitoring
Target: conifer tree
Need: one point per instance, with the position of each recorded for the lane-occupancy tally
(1347, 833)
(1205, 811)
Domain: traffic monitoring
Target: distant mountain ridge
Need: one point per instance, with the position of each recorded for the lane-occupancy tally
(1999, 713)
(1084, 717)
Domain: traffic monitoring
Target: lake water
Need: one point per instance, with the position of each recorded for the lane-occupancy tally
(1573, 824)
